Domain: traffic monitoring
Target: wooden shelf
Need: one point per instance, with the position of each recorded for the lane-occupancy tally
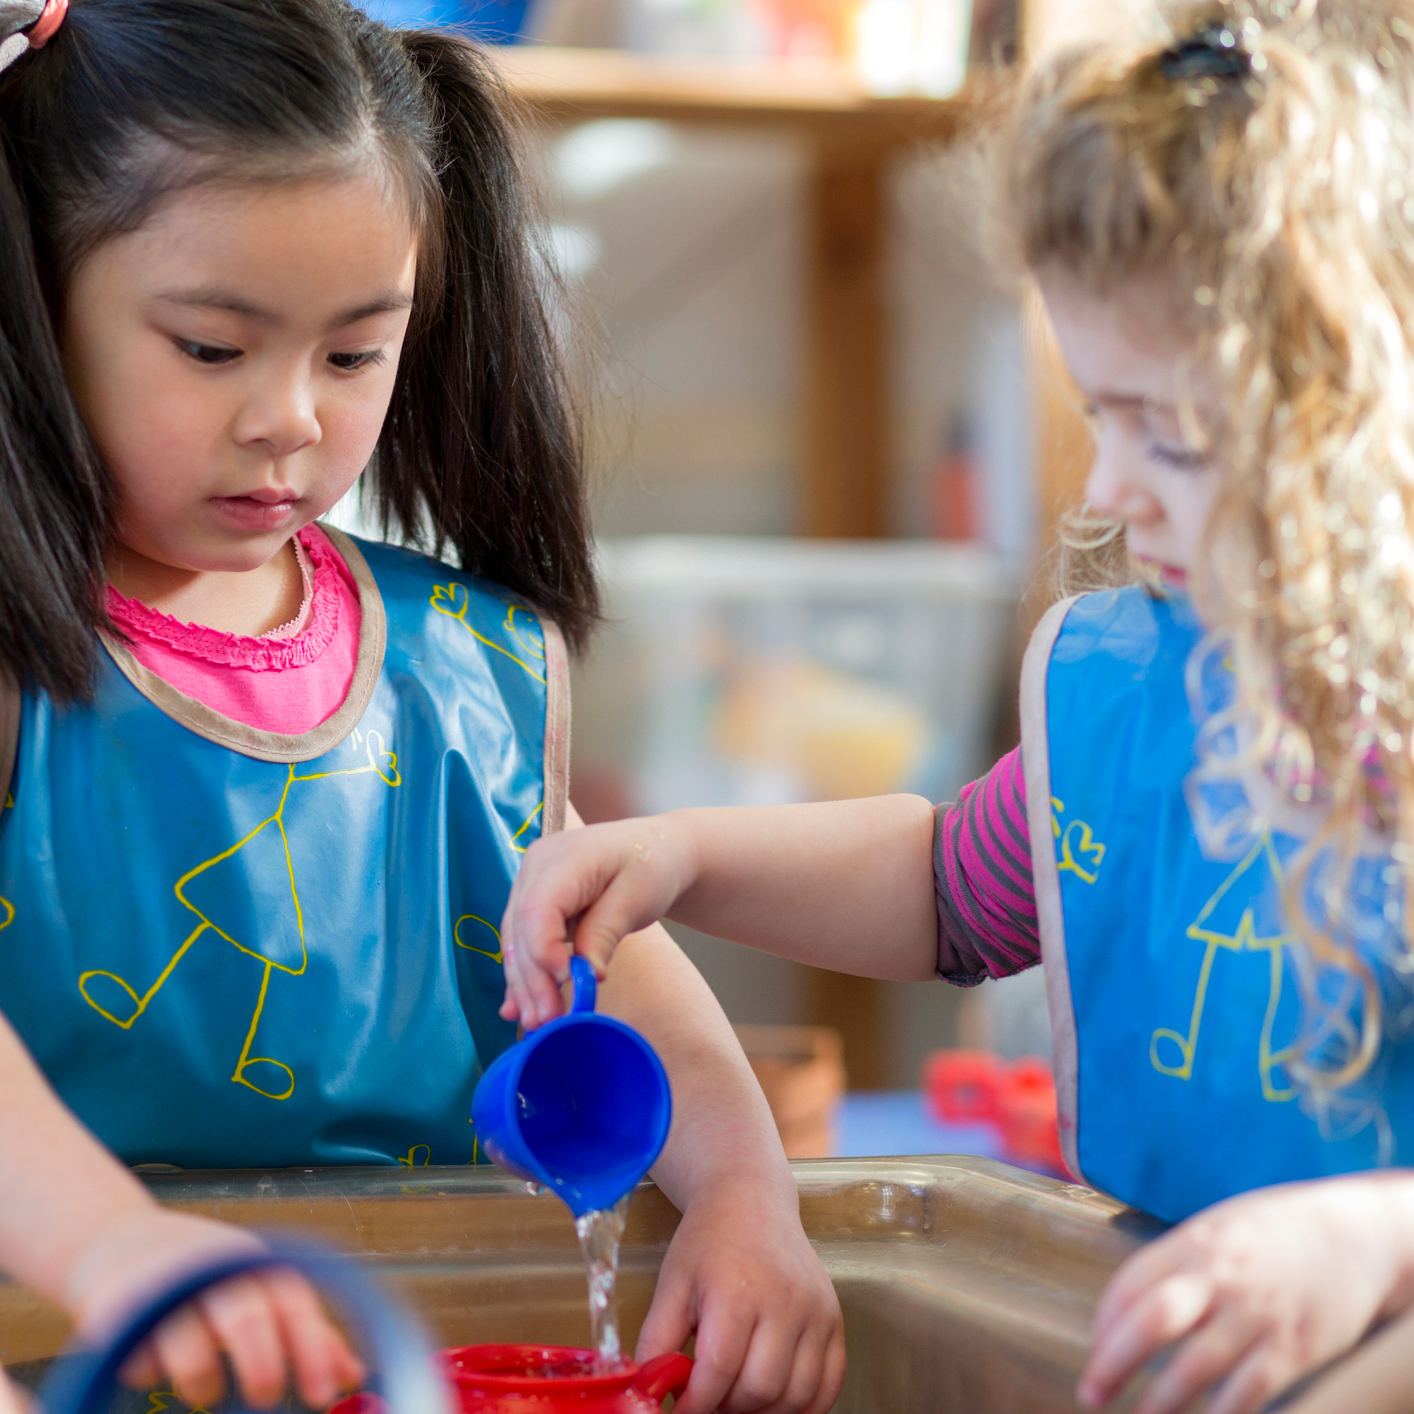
(853, 138)
(823, 96)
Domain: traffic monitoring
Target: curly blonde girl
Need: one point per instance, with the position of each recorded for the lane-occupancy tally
(1272, 195)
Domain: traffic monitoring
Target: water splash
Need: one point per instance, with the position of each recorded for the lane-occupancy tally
(600, 1233)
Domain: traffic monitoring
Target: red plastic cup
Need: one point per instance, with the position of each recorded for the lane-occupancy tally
(962, 1086)
(549, 1379)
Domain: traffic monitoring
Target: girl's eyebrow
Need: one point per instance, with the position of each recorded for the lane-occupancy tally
(390, 303)
(209, 297)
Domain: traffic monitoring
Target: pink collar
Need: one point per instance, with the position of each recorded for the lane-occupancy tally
(291, 646)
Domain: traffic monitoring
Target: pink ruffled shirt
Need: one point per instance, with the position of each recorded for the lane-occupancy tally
(288, 681)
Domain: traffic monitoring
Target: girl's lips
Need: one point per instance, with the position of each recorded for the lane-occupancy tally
(1170, 574)
(255, 513)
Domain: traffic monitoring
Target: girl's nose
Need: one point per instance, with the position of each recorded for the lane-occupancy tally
(282, 415)
(1112, 490)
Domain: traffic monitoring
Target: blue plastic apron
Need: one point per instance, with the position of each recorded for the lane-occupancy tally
(1170, 971)
(228, 947)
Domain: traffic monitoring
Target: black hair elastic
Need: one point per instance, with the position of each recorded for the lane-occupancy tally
(1213, 53)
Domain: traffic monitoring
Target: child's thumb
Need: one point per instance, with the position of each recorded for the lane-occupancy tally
(599, 932)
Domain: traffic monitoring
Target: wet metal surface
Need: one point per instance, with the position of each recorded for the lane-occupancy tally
(967, 1286)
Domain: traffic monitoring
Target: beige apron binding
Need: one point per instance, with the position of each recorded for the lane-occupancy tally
(10, 707)
(1036, 757)
(278, 746)
(557, 728)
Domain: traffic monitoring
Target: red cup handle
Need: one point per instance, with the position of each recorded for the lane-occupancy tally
(664, 1375)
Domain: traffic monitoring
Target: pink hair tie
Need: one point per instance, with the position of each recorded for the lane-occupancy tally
(50, 18)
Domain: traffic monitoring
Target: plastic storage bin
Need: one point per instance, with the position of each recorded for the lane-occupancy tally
(736, 671)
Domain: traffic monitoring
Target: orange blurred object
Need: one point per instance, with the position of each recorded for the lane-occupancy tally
(812, 29)
(1017, 1098)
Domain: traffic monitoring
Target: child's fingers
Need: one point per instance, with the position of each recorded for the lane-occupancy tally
(815, 1371)
(349, 1370)
(765, 1372)
(804, 1371)
(607, 922)
(1263, 1374)
(832, 1378)
(240, 1313)
(532, 989)
(1139, 1274)
(1199, 1363)
(1160, 1317)
(668, 1323)
(722, 1343)
(311, 1341)
(187, 1350)
(535, 950)
(141, 1370)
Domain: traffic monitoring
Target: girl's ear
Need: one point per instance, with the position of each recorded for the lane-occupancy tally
(54, 488)
(481, 438)
(15, 17)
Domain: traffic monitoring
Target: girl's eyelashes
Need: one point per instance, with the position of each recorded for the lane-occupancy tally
(213, 355)
(209, 354)
(1178, 456)
(352, 362)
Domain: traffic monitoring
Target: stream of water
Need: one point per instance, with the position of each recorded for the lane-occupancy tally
(600, 1233)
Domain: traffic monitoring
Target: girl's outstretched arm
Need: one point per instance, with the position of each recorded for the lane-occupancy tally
(846, 885)
(739, 1273)
(79, 1229)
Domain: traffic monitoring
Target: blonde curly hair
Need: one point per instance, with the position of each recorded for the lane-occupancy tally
(1275, 199)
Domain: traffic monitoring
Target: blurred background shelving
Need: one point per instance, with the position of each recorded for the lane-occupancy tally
(792, 335)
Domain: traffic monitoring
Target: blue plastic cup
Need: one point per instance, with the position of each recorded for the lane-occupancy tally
(582, 1105)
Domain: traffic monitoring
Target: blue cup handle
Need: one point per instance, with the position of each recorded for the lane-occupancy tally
(586, 989)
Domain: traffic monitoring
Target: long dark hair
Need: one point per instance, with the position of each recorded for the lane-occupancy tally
(132, 100)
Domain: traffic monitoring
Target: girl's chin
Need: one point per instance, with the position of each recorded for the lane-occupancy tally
(208, 550)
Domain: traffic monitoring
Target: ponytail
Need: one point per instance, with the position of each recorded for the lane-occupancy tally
(481, 445)
(55, 493)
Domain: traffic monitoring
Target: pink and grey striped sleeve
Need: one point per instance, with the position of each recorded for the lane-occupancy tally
(982, 874)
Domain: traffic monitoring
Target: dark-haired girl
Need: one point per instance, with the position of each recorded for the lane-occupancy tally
(265, 786)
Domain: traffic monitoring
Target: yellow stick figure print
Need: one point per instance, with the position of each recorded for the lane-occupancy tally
(497, 956)
(250, 1070)
(530, 820)
(528, 646)
(454, 600)
(1244, 938)
(1076, 839)
(157, 1402)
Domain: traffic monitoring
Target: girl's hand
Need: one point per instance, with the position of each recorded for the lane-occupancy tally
(583, 891)
(266, 1323)
(742, 1275)
(1256, 1292)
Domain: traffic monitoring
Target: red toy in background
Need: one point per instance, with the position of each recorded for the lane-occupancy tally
(544, 1379)
(1017, 1098)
